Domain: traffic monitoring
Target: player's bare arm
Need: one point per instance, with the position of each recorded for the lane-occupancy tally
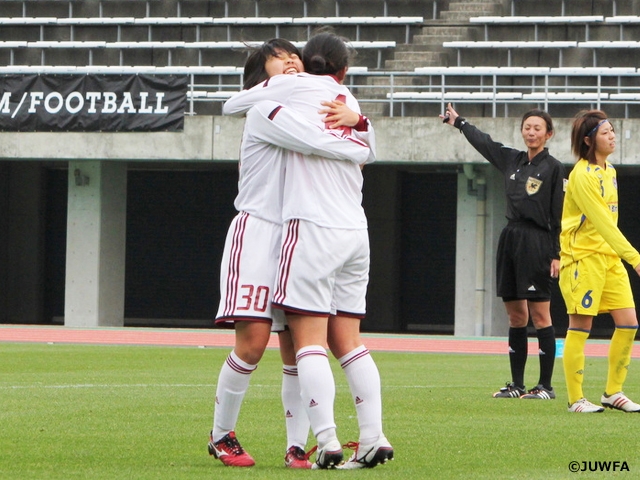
(555, 268)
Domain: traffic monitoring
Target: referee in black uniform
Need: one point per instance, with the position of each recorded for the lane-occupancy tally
(528, 257)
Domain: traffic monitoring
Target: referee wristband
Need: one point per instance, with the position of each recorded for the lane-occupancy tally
(459, 122)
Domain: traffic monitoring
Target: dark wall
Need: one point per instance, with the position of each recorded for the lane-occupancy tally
(428, 251)
(177, 222)
(176, 225)
(55, 243)
(4, 237)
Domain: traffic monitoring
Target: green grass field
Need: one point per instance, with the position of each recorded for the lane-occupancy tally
(112, 412)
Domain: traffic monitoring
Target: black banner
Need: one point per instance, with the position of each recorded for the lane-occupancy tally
(92, 103)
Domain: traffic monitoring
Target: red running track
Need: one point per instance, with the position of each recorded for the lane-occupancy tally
(225, 338)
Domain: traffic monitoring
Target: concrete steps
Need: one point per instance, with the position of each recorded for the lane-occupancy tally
(426, 49)
(459, 11)
(408, 61)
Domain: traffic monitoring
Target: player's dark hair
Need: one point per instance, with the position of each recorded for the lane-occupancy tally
(585, 125)
(254, 67)
(326, 54)
(538, 113)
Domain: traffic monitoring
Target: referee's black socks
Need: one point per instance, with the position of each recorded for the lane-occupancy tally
(547, 346)
(518, 351)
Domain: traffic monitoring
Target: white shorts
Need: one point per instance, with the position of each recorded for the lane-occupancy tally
(248, 271)
(322, 271)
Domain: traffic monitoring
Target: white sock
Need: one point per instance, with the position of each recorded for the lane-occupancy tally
(326, 436)
(317, 389)
(232, 385)
(295, 415)
(364, 382)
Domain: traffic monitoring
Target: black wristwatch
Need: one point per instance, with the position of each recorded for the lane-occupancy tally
(459, 122)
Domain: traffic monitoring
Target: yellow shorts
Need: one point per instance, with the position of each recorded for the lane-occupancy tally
(596, 284)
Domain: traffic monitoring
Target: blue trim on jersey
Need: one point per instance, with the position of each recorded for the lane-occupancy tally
(579, 330)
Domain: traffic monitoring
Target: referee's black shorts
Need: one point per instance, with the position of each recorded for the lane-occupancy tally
(524, 262)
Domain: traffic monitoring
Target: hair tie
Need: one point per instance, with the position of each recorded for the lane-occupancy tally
(597, 127)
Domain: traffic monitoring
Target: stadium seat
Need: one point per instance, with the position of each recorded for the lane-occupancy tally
(443, 97)
(509, 46)
(6, 21)
(536, 21)
(621, 21)
(545, 98)
(472, 71)
(359, 22)
(611, 44)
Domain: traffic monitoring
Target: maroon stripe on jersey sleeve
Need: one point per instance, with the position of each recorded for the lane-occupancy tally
(274, 112)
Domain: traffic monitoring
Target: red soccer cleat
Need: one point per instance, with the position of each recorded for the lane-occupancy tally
(296, 458)
(229, 451)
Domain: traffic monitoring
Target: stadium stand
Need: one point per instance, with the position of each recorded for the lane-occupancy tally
(183, 34)
(206, 84)
(406, 65)
(579, 37)
(199, 33)
(592, 87)
(230, 23)
(44, 46)
(568, 7)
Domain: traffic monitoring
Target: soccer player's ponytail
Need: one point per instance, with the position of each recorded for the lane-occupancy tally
(326, 54)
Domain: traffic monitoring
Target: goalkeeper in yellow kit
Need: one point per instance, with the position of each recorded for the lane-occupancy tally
(593, 279)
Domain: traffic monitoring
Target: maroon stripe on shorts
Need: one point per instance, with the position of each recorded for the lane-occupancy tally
(233, 273)
(286, 254)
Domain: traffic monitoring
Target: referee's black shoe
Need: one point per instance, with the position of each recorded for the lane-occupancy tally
(510, 390)
(540, 393)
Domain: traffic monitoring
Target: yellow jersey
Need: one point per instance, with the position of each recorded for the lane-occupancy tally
(590, 216)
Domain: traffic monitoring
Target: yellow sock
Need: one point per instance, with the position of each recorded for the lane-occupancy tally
(573, 363)
(619, 358)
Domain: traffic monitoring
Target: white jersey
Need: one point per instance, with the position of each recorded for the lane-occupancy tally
(270, 134)
(316, 189)
(261, 179)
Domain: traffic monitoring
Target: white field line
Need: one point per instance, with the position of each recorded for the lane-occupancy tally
(182, 385)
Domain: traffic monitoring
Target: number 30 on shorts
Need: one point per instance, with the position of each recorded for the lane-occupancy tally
(259, 297)
(587, 301)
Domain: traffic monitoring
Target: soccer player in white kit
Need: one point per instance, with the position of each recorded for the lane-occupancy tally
(324, 261)
(250, 259)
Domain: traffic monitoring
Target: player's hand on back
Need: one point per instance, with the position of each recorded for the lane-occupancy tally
(337, 114)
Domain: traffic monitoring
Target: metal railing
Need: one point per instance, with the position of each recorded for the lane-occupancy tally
(393, 91)
(493, 86)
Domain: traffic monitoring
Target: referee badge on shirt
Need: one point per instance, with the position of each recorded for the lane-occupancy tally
(533, 185)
